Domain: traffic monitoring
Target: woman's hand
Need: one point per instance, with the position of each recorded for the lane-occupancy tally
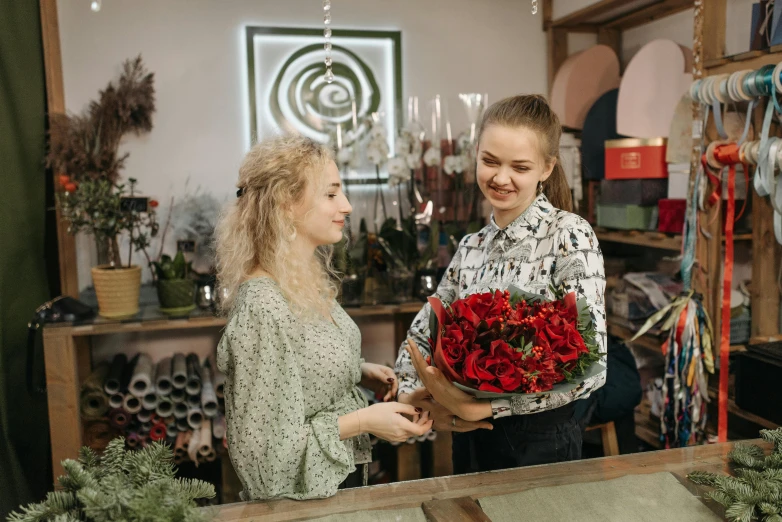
(386, 420)
(444, 392)
(380, 379)
(443, 419)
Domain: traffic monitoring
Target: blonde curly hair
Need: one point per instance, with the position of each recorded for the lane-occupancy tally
(256, 231)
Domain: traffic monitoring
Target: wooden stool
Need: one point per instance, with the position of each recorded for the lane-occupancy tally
(608, 433)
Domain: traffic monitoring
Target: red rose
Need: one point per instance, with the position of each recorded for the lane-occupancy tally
(462, 311)
(153, 203)
(475, 366)
(507, 374)
(63, 179)
(70, 187)
(566, 343)
(454, 346)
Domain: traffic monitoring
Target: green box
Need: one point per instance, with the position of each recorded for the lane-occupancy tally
(626, 217)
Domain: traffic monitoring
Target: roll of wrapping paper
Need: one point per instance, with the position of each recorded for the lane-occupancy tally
(205, 444)
(180, 410)
(158, 432)
(98, 434)
(142, 378)
(144, 415)
(150, 399)
(182, 442)
(171, 430)
(113, 384)
(182, 425)
(145, 427)
(119, 418)
(179, 371)
(178, 395)
(93, 402)
(164, 408)
(192, 447)
(218, 426)
(193, 386)
(163, 383)
(219, 384)
(195, 417)
(208, 398)
(131, 404)
(115, 401)
(211, 456)
(193, 401)
(132, 439)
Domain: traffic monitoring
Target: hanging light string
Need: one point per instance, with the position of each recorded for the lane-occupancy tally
(534, 7)
(327, 36)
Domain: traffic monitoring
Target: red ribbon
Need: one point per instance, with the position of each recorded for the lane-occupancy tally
(726, 155)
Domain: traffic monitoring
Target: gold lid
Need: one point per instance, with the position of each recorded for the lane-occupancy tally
(635, 142)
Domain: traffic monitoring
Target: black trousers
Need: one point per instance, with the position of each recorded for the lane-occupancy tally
(519, 440)
(355, 479)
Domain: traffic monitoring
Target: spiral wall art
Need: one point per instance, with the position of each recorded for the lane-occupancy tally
(287, 87)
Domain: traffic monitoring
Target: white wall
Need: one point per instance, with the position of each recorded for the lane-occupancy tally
(196, 50)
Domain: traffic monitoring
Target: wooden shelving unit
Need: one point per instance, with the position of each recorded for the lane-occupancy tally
(608, 18)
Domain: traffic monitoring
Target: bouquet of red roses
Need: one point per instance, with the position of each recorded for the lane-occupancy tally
(514, 342)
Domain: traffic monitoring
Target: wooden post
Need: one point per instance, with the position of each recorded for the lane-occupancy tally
(611, 37)
(766, 258)
(66, 358)
(55, 102)
(556, 43)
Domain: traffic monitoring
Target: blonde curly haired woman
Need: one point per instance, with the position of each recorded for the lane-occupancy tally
(297, 421)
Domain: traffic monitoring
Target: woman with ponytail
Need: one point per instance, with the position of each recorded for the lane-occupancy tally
(535, 243)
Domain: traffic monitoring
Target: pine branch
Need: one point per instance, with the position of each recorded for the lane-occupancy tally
(194, 489)
(740, 512)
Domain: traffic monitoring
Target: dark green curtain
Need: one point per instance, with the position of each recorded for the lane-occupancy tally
(25, 474)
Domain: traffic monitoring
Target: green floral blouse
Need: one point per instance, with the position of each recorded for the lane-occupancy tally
(287, 382)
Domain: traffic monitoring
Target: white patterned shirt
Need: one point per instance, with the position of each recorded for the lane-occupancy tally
(544, 247)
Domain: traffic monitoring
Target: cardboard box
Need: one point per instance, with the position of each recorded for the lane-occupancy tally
(634, 158)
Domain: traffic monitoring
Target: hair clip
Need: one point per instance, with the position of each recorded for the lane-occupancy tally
(240, 192)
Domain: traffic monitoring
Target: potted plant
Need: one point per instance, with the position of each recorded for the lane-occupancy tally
(84, 149)
(106, 210)
(176, 289)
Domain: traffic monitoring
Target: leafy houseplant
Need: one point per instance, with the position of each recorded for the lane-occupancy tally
(175, 286)
(121, 485)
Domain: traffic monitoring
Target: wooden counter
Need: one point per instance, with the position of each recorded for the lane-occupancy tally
(455, 495)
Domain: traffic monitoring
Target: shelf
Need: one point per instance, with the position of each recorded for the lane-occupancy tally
(620, 14)
(640, 238)
(733, 409)
(647, 429)
(748, 60)
(651, 239)
(648, 341)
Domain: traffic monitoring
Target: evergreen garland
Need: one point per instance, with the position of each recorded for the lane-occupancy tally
(755, 493)
(121, 485)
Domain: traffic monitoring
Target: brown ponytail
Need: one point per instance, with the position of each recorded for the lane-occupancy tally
(557, 190)
(533, 112)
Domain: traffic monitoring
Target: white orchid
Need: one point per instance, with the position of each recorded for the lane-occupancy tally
(378, 132)
(402, 146)
(344, 155)
(398, 176)
(413, 161)
(432, 157)
(396, 166)
(377, 152)
(453, 165)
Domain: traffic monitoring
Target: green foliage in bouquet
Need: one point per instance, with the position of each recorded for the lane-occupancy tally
(756, 492)
(168, 269)
(121, 485)
(585, 328)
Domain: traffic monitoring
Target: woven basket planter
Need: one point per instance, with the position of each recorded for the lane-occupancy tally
(117, 290)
